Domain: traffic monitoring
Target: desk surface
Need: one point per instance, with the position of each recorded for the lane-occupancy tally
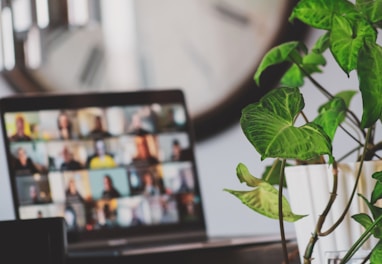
(244, 250)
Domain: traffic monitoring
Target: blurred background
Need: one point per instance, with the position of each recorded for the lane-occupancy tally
(208, 48)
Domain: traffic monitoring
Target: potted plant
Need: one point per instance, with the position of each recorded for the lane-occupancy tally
(350, 34)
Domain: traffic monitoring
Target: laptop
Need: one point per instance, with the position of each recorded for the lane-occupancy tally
(119, 167)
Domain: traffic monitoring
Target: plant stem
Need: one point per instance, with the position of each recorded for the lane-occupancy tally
(374, 149)
(367, 258)
(309, 248)
(356, 246)
(268, 176)
(281, 217)
(341, 218)
(333, 196)
(349, 153)
(350, 135)
(322, 218)
(361, 240)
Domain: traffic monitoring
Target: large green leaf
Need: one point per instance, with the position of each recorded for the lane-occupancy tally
(264, 198)
(371, 9)
(277, 55)
(268, 125)
(346, 39)
(319, 13)
(331, 115)
(376, 254)
(370, 79)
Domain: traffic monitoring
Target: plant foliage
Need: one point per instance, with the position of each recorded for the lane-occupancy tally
(350, 36)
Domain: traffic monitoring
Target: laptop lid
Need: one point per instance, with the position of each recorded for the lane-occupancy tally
(118, 166)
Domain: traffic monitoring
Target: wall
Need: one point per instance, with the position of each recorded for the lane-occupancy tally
(6, 208)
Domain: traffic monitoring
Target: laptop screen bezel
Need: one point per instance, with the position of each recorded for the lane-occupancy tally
(54, 101)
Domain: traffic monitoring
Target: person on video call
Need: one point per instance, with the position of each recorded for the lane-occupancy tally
(70, 217)
(136, 126)
(143, 154)
(98, 131)
(24, 164)
(135, 219)
(149, 185)
(69, 162)
(72, 193)
(33, 194)
(101, 159)
(109, 190)
(178, 153)
(170, 122)
(20, 135)
(64, 126)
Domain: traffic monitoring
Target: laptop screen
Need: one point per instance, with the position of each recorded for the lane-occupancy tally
(116, 164)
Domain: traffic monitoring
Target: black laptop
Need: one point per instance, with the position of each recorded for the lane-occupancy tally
(118, 166)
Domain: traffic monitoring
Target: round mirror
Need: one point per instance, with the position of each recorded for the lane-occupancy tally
(208, 48)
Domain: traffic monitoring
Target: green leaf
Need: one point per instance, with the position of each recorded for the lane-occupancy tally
(322, 44)
(346, 39)
(293, 77)
(376, 254)
(370, 79)
(377, 175)
(319, 13)
(277, 55)
(376, 211)
(245, 176)
(268, 125)
(332, 114)
(347, 96)
(264, 200)
(363, 219)
(272, 173)
(371, 9)
(311, 63)
(314, 59)
(377, 193)
(366, 221)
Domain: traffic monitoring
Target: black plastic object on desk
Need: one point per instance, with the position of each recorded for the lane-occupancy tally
(40, 241)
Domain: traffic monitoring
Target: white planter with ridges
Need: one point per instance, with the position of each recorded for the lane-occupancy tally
(309, 188)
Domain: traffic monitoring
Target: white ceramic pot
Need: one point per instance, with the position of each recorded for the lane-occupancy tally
(309, 188)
